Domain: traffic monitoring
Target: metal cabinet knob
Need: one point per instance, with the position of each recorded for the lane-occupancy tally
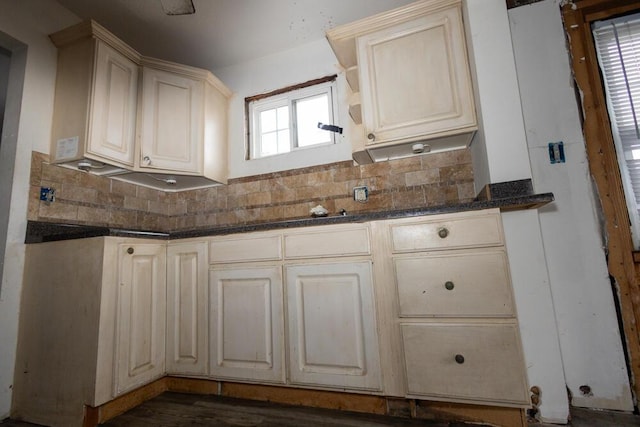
(146, 160)
(449, 285)
(459, 359)
(130, 251)
(371, 137)
(443, 232)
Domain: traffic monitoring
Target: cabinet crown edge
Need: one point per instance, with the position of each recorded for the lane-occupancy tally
(342, 36)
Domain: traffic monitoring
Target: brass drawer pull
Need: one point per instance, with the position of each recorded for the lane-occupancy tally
(459, 359)
(443, 232)
(130, 251)
(449, 285)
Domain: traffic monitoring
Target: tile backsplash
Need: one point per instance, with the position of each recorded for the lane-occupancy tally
(83, 198)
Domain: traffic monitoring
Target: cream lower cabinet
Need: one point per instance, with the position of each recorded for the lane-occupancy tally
(331, 325)
(448, 295)
(247, 323)
(141, 314)
(246, 329)
(91, 325)
(187, 309)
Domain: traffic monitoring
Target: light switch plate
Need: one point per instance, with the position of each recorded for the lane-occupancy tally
(361, 194)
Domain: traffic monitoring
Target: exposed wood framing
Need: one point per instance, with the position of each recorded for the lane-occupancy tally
(603, 163)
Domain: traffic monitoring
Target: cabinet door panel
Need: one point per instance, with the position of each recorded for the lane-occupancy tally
(462, 284)
(332, 329)
(187, 322)
(172, 122)
(414, 78)
(246, 324)
(481, 362)
(141, 315)
(113, 124)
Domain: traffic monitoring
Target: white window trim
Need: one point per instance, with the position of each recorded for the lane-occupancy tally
(287, 99)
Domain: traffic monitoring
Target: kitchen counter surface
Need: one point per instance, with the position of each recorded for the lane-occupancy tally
(493, 196)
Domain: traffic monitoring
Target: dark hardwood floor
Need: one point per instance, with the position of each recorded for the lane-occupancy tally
(177, 410)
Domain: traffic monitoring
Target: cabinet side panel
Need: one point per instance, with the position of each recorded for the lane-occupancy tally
(73, 93)
(59, 319)
(215, 135)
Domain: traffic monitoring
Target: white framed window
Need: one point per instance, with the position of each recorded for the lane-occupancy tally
(291, 119)
(617, 44)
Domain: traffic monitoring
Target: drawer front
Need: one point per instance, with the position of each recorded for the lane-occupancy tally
(255, 248)
(447, 233)
(334, 243)
(479, 362)
(465, 284)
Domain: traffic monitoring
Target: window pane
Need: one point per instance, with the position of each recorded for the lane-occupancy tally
(268, 144)
(268, 121)
(310, 111)
(283, 118)
(284, 143)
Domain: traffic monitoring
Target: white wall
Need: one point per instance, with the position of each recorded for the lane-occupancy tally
(310, 61)
(583, 300)
(28, 21)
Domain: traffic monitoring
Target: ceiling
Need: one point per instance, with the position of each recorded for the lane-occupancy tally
(223, 32)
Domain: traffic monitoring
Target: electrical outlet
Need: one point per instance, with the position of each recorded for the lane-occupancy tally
(361, 194)
(47, 194)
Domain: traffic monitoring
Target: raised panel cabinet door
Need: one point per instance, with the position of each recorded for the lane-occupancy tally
(246, 324)
(172, 128)
(473, 362)
(415, 80)
(187, 308)
(141, 315)
(112, 128)
(332, 326)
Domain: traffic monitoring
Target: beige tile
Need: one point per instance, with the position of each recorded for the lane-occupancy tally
(123, 218)
(428, 176)
(411, 198)
(110, 200)
(185, 222)
(322, 177)
(235, 202)
(37, 159)
(405, 165)
(93, 215)
(204, 221)
(178, 208)
(58, 210)
(376, 169)
(295, 181)
(148, 193)
(466, 191)
(216, 203)
(298, 210)
(347, 173)
(33, 204)
(158, 207)
(149, 221)
(134, 203)
(73, 192)
(272, 213)
(258, 199)
(283, 196)
(99, 183)
(458, 173)
(331, 189)
(196, 207)
(123, 188)
(59, 174)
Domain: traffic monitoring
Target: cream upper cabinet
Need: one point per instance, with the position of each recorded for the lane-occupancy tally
(141, 314)
(143, 120)
(187, 311)
(172, 121)
(410, 77)
(94, 121)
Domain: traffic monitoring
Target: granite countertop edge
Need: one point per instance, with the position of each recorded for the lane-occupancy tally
(41, 231)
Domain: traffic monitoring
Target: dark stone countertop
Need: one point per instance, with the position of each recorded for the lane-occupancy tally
(38, 231)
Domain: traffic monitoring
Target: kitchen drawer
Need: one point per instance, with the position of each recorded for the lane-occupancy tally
(476, 362)
(247, 248)
(337, 242)
(447, 232)
(462, 284)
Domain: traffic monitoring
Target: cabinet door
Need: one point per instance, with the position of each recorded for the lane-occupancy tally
(246, 324)
(414, 79)
(172, 122)
(187, 320)
(114, 100)
(332, 326)
(141, 314)
(474, 362)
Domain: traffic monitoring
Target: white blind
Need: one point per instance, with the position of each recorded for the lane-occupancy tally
(618, 47)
